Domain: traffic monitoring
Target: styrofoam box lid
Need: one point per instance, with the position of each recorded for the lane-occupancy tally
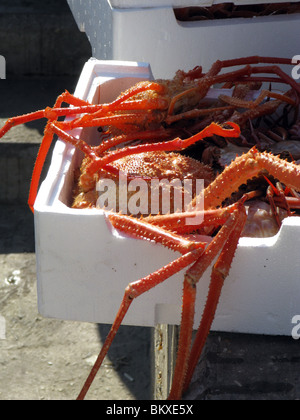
(127, 4)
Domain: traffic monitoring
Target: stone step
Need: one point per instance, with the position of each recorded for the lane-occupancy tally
(41, 38)
(16, 163)
(20, 145)
(17, 229)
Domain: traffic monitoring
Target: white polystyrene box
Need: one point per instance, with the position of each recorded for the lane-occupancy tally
(83, 266)
(148, 31)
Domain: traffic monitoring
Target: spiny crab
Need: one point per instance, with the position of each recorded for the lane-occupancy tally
(148, 114)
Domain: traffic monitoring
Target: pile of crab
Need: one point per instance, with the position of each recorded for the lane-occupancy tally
(262, 100)
(237, 130)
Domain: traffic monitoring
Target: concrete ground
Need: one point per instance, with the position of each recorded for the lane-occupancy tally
(50, 359)
(45, 358)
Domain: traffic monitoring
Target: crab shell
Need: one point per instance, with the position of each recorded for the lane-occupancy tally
(160, 172)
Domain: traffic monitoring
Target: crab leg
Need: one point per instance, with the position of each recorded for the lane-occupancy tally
(188, 222)
(149, 135)
(185, 339)
(219, 273)
(94, 111)
(47, 139)
(141, 286)
(253, 59)
(246, 167)
(195, 113)
(121, 104)
(292, 202)
(143, 230)
(242, 103)
(171, 145)
(132, 291)
(177, 222)
(97, 119)
(244, 74)
(205, 83)
(49, 113)
(227, 239)
(273, 68)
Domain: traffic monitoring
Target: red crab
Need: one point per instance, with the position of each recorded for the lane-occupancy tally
(141, 113)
